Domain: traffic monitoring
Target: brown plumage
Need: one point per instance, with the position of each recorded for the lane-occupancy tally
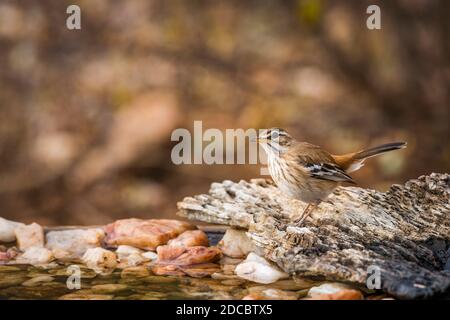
(354, 161)
(307, 172)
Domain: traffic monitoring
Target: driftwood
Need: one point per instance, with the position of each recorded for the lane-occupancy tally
(404, 232)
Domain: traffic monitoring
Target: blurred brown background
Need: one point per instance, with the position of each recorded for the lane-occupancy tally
(86, 116)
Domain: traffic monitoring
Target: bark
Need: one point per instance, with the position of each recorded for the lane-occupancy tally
(404, 233)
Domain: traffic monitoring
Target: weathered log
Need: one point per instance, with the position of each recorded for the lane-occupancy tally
(404, 232)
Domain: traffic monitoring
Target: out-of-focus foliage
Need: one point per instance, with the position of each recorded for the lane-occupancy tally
(86, 116)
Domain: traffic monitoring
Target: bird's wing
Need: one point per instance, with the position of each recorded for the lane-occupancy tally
(319, 164)
(327, 171)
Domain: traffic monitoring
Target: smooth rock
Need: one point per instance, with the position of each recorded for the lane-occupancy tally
(167, 270)
(65, 271)
(193, 255)
(108, 288)
(167, 253)
(159, 280)
(144, 234)
(328, 288)
(334, 291)
(86, 296)
(7, 254)
(190, 238)
(223, 276)
(37, 281)
(7, 228)
(123, 252)
(35, 256)
(28, 236)
(177, 246)
(225, 260)
(236, 244)
(12, 279)
(200, 270)
(4, 269)
(135, 272)
(233, 282)
(293, 285)
(228, 268)
(100, 260)
(150, 255)
(193, 261)
(258, 269)
(346, 294)
(270, 294)
(153, 295)
(72, 244)
(129, 256)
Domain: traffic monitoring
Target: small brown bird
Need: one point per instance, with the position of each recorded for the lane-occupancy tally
(307, 172)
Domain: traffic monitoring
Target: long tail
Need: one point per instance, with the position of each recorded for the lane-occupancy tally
(371, 152)
(354, 161)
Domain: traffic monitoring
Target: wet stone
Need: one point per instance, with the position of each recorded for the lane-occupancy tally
(65, 272)
(9, 269)
(86, 296)
(159, 279)
(292, 285)
(223, 276)
(12, 280)
(233, 282)
(302, 293)
(139, 283)
(131, 272)
(36, 281)
(131, 282)
(154, 295)
(109, 288)
(262, 293)
(37, 292)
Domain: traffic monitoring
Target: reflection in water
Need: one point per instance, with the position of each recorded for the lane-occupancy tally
(137, 283)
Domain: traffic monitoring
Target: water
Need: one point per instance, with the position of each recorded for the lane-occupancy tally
(29, 282)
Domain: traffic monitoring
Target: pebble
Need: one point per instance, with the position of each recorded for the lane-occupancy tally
(108, 288)
(261, 293)
(327, 288)
(334, 291)
(222, 276)
(292, 285)
(233, 282)
(228, 268)
(86, 296)
(159, 279)
(236, 244)
(258, 269)
(65, 272)
(347, 294)
(29, 236)
(12, 280)
(150, 255)
(153, 295)
(35, 256)
(9, 269)
(36, 281)
(135, 272)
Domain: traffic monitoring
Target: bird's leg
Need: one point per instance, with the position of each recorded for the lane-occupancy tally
(301, 218)
(306, 213)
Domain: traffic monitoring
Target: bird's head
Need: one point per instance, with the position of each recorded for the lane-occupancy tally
(275, 140)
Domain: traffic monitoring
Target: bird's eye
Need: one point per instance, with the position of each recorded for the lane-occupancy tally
(274, 135)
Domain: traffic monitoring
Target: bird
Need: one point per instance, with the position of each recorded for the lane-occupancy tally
(308, 173)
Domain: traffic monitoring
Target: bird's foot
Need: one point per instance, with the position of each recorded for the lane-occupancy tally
(306, 213)
(299, 222)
